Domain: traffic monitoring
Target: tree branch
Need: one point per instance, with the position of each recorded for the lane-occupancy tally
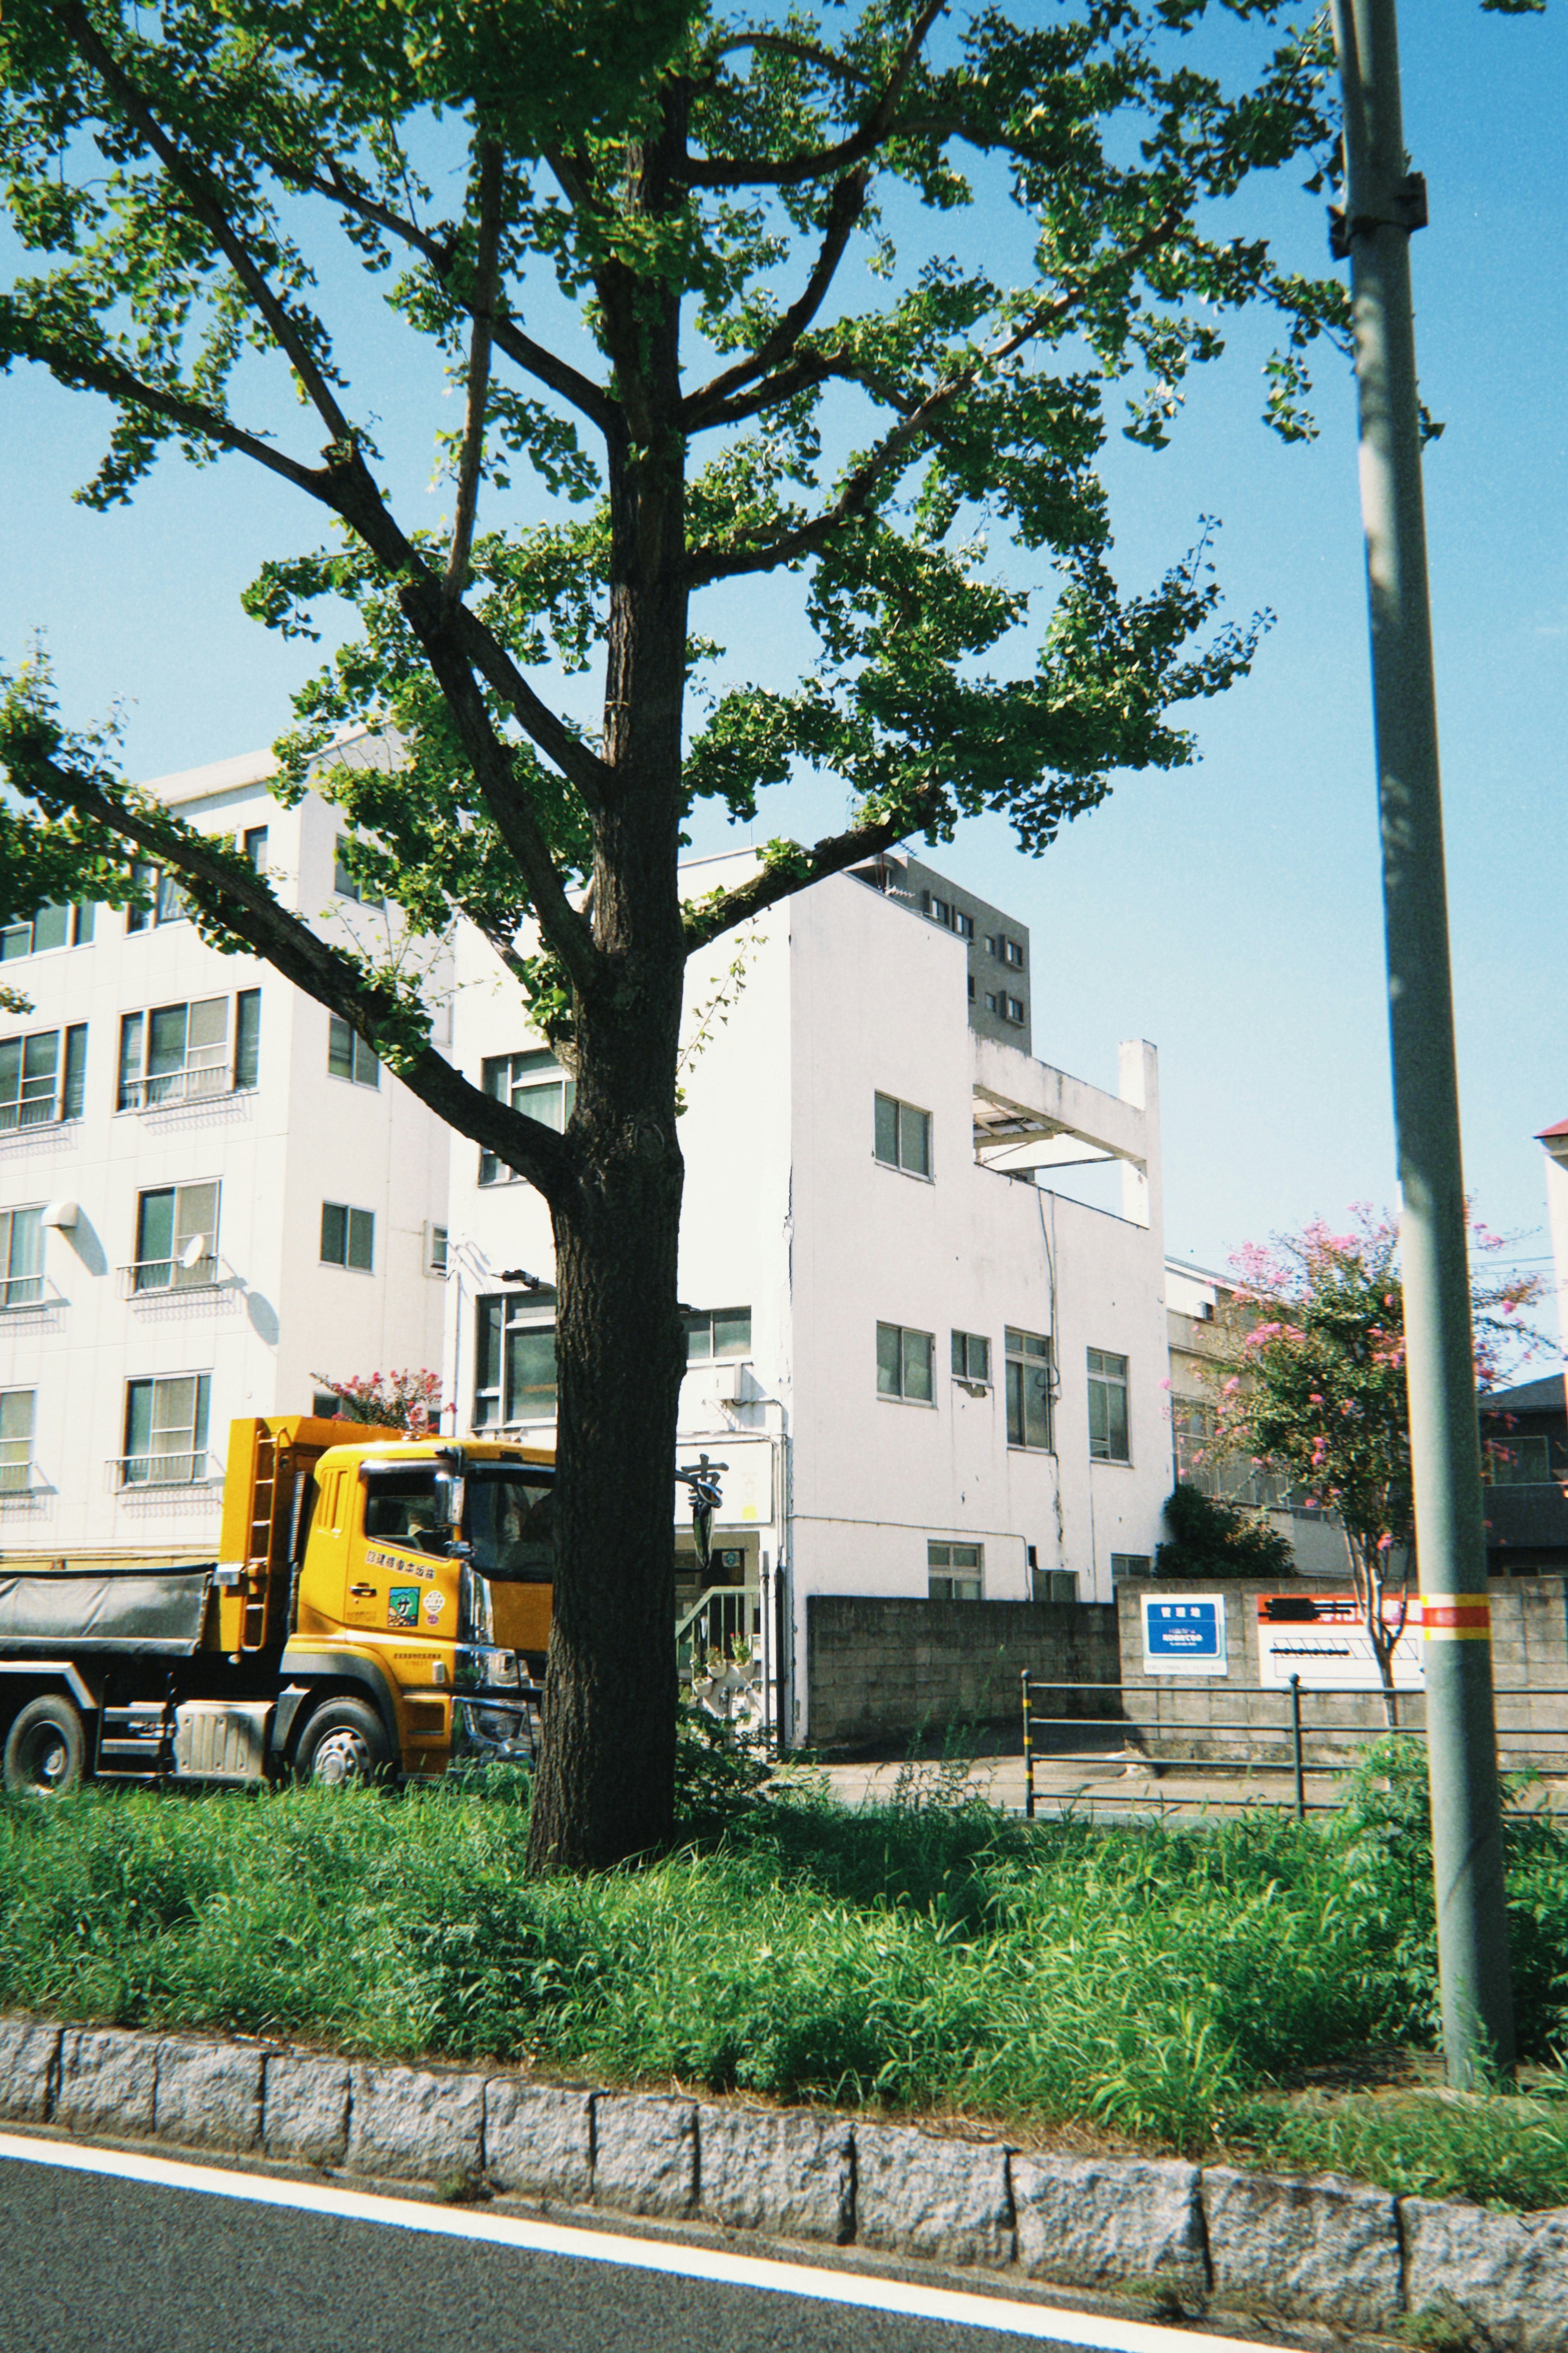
(245, 904)
(118, 384)
(556, 374)
(831, 856)
(478, 385)
(845, 209)
(739, 173)
(202, 196)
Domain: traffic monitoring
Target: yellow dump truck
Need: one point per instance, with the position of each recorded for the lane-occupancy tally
(378, 1607)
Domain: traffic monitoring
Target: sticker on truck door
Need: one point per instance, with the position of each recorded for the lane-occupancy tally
(403, 1605)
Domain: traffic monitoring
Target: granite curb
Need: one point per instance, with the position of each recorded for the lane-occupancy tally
(1317, 2249)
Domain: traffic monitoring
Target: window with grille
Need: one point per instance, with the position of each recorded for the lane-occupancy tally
(904, 1364)
(21, 1257)
(971, 1357)
(42, 1078)
(348, 1237)
(53, 926)
(176, 1238)
(717, 1332)
(902, 1137)
(1029, 1387)
(347, 1056)
(534, 1084)
(166, 1431)
(1107, 1431)
(186, 1053)
(956, 1572)
(514, 1363)
(15, 1441)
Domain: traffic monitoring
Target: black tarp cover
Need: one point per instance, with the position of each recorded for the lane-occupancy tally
(148, 1609)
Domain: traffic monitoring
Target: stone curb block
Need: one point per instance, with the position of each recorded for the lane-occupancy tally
(208, 2095)
(790, 2174)
(539, 2141)
(1314, 2248)
(417, 2125)
(305, 2108)
(29, 2056)
(916, 2195)
(106, 2082)
(644, 2154)
(1319, 2245)
(1509, 2273)
(1090, 2221)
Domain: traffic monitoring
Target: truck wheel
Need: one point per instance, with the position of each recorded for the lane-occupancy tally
(45, 1749)
(344, 1741)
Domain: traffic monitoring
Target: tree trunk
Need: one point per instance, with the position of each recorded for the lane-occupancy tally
(605, 1781)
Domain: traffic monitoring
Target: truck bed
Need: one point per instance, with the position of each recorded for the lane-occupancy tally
(138, 1609)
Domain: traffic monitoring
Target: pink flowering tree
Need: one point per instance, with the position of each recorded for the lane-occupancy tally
(408, 1401)
(1313, 1386)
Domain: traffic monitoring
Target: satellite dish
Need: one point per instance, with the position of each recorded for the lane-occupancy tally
(196, 1250)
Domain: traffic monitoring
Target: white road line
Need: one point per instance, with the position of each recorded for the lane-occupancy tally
(1089, 2330)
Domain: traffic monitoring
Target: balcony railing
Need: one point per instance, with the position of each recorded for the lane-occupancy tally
(138, 1471)
(21, 1291)
(194, 1084)
(156, 1277)
(32, 1110)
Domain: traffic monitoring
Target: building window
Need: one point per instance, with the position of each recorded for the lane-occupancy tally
(904, 1364)
(176, 1238)
(943, 911)
(534, 1084)
(1129, 1564)
(15, 1441)
(21, 1257)
(185, 1054)
(902, 1137)
(435, 1245)
(1013, 1010)
(42, 1078)
(344, 882)
(347, 1056)
(165, 1432)
(971, 1357)
(717, 1331)
(253, 846)
(167, 901)
(348, 1237)
(1108, 1407)
(514, 1365)
(1012, 951)
(327, 1405)
(1516, 1462)
(956, 1571)
(1028, 1390)
(53, 926)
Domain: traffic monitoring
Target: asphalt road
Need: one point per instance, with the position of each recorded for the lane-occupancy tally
(90, 2260)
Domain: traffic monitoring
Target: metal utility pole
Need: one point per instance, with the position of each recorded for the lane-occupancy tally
(1383, 203)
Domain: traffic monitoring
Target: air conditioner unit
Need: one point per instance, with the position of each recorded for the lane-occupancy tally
(724, 1383)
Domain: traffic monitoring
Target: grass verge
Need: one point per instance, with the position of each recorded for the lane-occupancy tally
(1162, 1985)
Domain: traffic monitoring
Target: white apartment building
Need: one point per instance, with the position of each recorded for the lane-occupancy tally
(209, 1195)
(926, 1371)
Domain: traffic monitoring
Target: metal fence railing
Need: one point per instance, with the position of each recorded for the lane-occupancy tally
(1302, 1739)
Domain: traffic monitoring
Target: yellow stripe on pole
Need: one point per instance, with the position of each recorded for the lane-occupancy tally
(1455, 1618)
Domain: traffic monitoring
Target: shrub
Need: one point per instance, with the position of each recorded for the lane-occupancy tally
(1213, 1539)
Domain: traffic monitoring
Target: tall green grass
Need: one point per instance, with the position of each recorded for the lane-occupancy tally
(1158, 1982)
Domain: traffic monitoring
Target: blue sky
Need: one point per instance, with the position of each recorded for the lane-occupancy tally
(1230, 911)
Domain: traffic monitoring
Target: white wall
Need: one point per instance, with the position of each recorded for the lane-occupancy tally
(276, 1317)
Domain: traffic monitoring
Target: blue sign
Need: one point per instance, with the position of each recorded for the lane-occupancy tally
(1184, 1637)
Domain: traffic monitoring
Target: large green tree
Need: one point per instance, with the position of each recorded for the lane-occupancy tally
(691, 271)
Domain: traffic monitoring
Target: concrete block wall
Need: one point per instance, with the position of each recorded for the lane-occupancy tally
(879, 1669)
(1218, 1716)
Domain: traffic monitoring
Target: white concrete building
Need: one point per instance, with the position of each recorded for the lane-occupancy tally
(208, 1195)
(926, 1373)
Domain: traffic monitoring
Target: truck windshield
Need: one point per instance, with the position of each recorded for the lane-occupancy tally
(511, 1524)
